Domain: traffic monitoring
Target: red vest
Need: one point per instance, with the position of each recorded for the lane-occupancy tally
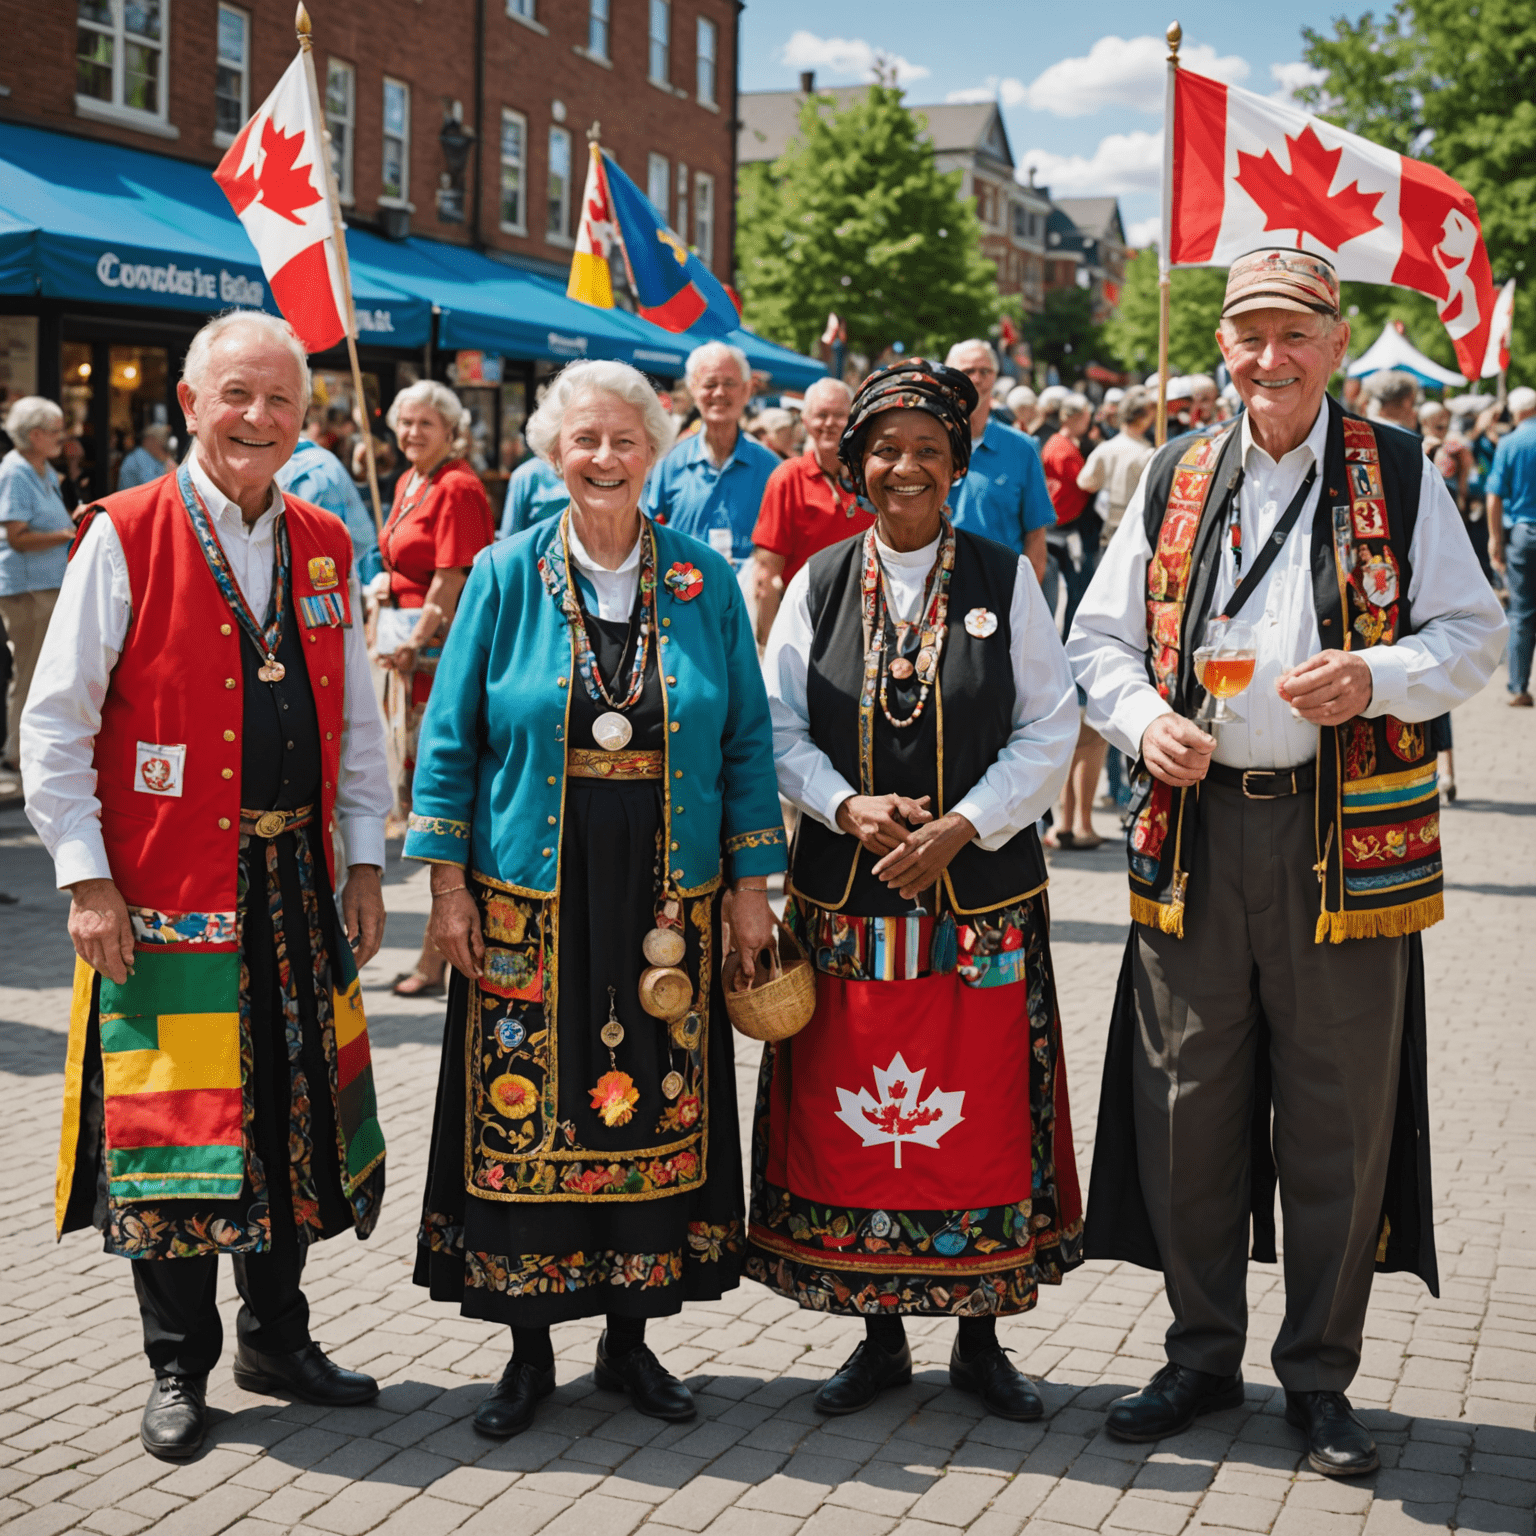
(178, 682)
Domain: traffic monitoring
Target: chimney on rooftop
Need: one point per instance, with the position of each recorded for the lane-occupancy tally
(807, 82)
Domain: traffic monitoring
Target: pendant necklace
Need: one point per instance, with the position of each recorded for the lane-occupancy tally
(883, 662)
(614, 1096)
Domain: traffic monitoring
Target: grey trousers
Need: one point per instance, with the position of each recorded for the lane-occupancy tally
(1335, 1016)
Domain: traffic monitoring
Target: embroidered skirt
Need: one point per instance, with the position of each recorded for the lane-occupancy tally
(912, 1147)
(536, 1210)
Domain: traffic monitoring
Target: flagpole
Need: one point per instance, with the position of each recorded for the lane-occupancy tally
(1175, 36)
(360, 406)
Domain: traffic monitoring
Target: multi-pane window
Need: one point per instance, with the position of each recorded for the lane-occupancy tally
(524, 8)
(658, 184)
(661, 41)
(340, 119)
(597, 29)
(680, 223)
(704, 217)
(708, 49)
(120, 53)
(558, 195)
(397, 139)
(232, 74)
(514, 160)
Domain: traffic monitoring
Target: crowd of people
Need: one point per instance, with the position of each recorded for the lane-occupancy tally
(877, 665)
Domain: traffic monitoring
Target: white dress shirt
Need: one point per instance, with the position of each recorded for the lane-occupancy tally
(85, 638)
(615, 589)
(1459, 625)
(1032, 766)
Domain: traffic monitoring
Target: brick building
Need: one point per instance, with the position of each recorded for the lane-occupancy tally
(455, 121)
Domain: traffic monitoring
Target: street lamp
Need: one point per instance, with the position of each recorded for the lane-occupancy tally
(457, 141)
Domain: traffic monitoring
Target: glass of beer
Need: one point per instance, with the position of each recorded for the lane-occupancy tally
(1229, 667)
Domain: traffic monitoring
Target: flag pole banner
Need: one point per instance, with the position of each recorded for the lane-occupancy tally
(1501, 331)
(591, 280)
(274, 178)
(1250, 172)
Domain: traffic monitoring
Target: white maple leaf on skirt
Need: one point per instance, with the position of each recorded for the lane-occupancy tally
(900, 1113)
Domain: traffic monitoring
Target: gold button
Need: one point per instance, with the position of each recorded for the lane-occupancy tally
(312, 639)
(223, 823)
(677, 725)
(548, 851)
(223, 629)
(671, 682)
(229, 735)
(325, 682)
(551, 779)
(551, 821)
(561, 681)
(229, 682)
(678, 809)
(328, 736)
(665, 623)
(674, 847)
(677, 773)
(327, 783)
(229, 773)
(677, 874)
(665, 638)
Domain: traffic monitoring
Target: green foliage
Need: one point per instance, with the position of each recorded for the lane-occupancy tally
(1453, 83)
(1063, 332)
(856, 217)
(1194, 307)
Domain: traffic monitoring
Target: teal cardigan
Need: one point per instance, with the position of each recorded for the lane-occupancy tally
(489, 789)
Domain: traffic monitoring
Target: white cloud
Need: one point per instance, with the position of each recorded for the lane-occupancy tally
(1125, 72)
(1144, 232)
(845, 56)
(1123, 162)
(1008, 91)
(1290, 78)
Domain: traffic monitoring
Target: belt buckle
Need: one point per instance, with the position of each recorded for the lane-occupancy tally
(270, 823)
(1271, 773)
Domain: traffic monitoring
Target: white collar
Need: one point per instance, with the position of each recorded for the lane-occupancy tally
(221, 507)
(908, 558)
(1314, 443)
(584, 560)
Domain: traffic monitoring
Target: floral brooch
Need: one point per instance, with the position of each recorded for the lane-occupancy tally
(684, 581)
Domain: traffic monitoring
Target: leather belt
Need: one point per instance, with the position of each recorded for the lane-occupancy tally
(1266, 783)
(274, 823)
(583, 763)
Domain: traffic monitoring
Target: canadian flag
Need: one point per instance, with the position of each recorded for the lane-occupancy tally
(275, 179)
(1250, 172)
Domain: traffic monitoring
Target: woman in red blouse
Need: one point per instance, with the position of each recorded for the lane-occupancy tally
(440, 521)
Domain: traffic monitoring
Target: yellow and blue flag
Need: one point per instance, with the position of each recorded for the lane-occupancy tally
(674, 289)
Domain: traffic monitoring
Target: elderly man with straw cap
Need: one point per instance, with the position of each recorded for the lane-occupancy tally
(1270, 1018)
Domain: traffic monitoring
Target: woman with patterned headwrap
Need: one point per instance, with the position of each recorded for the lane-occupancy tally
(912, 1152)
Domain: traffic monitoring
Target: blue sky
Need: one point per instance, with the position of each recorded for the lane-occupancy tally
(1080, 86)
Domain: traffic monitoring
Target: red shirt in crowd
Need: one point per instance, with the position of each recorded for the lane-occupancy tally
(803, 512)
(445, 523)
(1063, 462)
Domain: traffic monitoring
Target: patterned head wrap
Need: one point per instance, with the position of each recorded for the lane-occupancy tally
(914, 384)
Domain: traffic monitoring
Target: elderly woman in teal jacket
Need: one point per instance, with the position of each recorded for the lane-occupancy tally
(595, 783)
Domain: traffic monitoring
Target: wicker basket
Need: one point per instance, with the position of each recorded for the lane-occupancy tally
(779, 1007)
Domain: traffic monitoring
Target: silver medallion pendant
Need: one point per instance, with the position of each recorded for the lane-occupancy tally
(612, 731)
(672, 1084)
(612, 1034)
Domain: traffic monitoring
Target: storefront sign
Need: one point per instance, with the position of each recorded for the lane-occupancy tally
(375, 320)
(221, 287)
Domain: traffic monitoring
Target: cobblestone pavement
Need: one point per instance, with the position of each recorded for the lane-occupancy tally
(1450, 1385)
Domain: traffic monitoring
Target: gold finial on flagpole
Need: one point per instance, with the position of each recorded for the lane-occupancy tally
(301, 26)
(594, 133)
(1174, 34)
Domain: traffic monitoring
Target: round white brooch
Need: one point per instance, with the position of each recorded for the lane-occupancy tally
(981, 622)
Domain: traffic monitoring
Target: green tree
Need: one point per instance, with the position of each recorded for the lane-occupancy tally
(856, 217)
(1063, 333)
(1454, 83)
(1194, 307)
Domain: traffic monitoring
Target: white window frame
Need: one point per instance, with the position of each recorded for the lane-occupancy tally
(348, 123)
(707, 88)
(680, 203)
(563, 235)
(525, 13)
(658, 173)
(520, 227)
(659, 9)
(222, 137)
(402, 198)
(116, 111)
(600, 11)
(704, 217)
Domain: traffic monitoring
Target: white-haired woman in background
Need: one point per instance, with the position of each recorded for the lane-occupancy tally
(440, 521)
(35, 530)
(595, 768)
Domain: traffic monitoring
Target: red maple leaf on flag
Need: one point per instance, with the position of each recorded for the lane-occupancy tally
(1298, 199)
(282, 187)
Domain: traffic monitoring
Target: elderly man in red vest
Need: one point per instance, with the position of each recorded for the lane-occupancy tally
(1270, 1017)
(200, 725)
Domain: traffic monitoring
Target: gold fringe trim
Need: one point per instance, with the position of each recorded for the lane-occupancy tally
(1165, 916)
(1386, 923)
(1386, 1232)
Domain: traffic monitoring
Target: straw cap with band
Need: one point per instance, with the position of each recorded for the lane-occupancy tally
(1281, 278)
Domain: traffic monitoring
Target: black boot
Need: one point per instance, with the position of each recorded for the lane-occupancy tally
(651, 1387)
(863, 1376)
(1338, 1444)
(305, 1374)
(175, 1417)
(1171, 1402)
(509, 1408)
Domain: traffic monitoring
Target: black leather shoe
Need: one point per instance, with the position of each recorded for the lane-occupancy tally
(997, 1381)
(1338, 1444)
(509, 1408)
(175, 1417)
(863, 1376)
(1171, 1402)
(651, 1387)
(305, 1374)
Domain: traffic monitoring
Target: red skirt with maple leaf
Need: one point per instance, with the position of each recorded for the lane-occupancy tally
(912, 1146)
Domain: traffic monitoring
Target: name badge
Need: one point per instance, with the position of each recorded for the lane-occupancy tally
(159, 770)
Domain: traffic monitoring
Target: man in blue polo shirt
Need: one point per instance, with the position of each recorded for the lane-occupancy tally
(1004, 495)
(1511, 501)
(711, 485)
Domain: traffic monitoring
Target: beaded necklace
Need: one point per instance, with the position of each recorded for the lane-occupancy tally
(554, 567)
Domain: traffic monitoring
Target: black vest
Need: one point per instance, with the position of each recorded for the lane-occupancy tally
(966, 724)
(280, 735)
